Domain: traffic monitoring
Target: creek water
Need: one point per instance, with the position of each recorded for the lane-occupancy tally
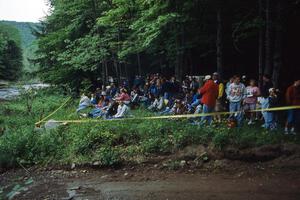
(9, 92)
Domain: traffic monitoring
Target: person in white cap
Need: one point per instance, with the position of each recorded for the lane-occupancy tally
(209, 93)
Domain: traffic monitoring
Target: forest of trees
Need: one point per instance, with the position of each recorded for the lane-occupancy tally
(89, 40)
(10, 53)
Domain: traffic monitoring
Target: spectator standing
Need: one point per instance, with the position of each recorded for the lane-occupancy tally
(267, 84)
(209, 93)
(266, 103)
(219, 102)
(293, 99)
(236, 93)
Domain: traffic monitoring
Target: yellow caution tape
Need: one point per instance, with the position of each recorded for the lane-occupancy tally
(277, 109)
(174, 116)
(60, 107)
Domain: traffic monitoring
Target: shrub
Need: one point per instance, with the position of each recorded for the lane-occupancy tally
(108, 156)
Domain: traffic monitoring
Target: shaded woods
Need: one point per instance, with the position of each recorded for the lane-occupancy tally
(10, 53)
(83, 42)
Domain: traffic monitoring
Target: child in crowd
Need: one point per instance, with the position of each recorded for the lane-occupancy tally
(252, 93)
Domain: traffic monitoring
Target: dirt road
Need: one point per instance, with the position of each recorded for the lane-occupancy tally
(247, 181)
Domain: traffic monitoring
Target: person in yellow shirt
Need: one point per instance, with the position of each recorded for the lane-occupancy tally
(219, 104)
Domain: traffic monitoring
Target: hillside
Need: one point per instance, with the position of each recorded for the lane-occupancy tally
(27, 42)
(25, 29)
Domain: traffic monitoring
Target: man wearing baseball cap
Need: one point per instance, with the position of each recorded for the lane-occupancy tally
(209, 93)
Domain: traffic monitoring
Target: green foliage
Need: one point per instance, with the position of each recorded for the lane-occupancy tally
(108, 156)
(91, 39)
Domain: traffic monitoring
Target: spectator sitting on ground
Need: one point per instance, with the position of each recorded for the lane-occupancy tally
(123, 110)
(170, 108)
(84, 103)
(93, 99)
(100, 111)
(157, 104)
(180, 108)
(101, 100)
(123, 97)
(196, 101)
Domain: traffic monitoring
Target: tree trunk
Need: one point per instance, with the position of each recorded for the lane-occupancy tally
(261, 45)
(160, 64)
(120, 72)
(103, 73)
(179, 49)
(178, 60)
(268, 43)
(219, 40)
(178, 66)
(126, 71)
(139, 64)
(277, 58)
(106, 71)
(116, 69)
(117, 64)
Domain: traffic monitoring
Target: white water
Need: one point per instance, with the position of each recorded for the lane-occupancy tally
(11, 92)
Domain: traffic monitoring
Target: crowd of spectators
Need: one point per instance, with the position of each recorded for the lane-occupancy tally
(194, 95)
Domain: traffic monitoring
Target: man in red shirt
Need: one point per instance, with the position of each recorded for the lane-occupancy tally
(209, 92)
(293, 99)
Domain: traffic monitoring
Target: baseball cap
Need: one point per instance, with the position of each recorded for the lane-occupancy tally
(207, 77)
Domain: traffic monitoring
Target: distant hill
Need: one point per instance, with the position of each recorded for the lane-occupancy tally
(28, 44)
(25, 29)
